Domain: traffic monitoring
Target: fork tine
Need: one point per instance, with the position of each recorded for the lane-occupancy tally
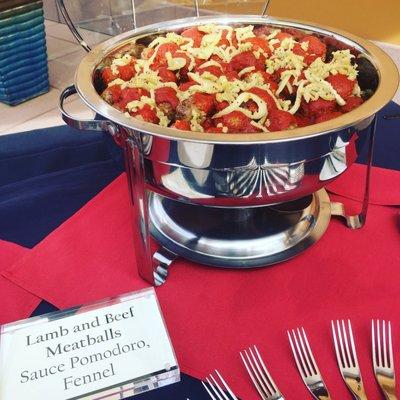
(378, 333)
(253, 379)
(335, 342)
(347, 357)
(390, 346)
(303, 351)
(296, 359)
(303, 357)
(346, 343)
(267, 374)
(341, 343)
(384, 344)
(353, 345)
(306, 364)
(261, 378)
(315, 366)
(221, 391)
(226, 385)
(306, 357)
(382, 353)
(214, 388)
(373, 343)
(208, 390)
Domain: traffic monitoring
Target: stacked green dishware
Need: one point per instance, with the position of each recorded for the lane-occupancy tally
(23, 55)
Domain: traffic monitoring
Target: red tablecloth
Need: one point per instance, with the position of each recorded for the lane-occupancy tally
(212, 314)
(17, 303)
(385, 185)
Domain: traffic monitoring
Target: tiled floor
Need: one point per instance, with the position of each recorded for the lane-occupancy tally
(64, 55)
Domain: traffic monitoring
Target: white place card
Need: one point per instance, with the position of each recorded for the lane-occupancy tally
(109, 350)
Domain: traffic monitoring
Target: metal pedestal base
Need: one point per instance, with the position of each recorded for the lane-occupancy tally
(234, 237)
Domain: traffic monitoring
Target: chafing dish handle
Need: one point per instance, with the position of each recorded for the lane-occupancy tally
(86, 125)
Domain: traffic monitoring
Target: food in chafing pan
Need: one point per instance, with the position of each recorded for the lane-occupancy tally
(214, 78)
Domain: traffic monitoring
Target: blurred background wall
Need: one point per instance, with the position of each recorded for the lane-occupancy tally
(371, 19)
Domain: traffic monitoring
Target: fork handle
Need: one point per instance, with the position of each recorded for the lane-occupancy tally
(388, 387)
(389, 393)
(357, 388)
(360, 395)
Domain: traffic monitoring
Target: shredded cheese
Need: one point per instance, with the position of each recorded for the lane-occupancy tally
(246, 70)
(305, 45)
(136, 105)
(307, 81)
(211, 63)
(259, 126)
(117, 81)
(273, 34)
(175, 63)
(197, 118)
(243, 98)
(244, 33)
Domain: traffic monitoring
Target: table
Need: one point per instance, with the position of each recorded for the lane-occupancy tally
(65, 168)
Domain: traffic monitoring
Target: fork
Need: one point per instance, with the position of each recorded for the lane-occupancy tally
(382, 358)
(347, 358)
(214, 388)
(259, 375)
(307, 365)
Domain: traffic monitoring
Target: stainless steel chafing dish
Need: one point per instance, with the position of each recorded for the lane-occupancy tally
(185, 186)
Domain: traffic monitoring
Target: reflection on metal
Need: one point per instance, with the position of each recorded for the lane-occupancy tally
(294, 205)
(101, 125)
(237, 238)
(358, 220)
(140, 209)
(175, 182)
(336, 162)
(162, 260)
(195, 155)
(256, 179)
(232, 175)
(147, 143)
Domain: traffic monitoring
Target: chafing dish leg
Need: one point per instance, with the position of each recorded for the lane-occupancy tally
(139, 201)
(357, 221)
(162, 259)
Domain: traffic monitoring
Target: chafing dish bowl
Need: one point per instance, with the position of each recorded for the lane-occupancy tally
(232, 170)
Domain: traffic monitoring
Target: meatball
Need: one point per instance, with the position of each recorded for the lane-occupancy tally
(167, 109)
(184, 110)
